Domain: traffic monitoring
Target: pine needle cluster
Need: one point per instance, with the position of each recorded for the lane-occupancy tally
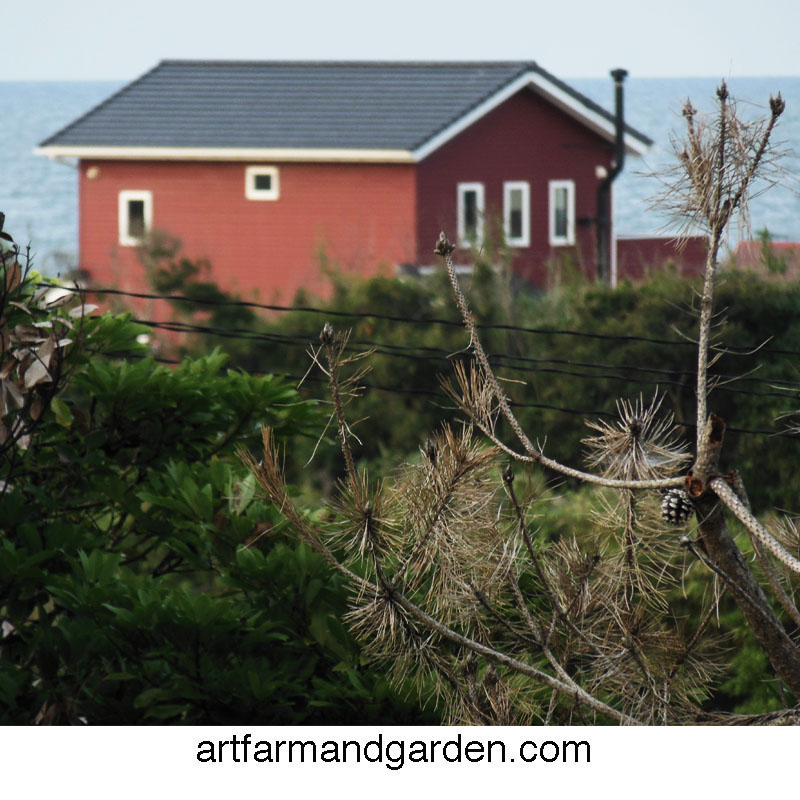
(456, 595)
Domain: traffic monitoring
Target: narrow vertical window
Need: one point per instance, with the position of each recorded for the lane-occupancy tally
(562, 213)
(136, 224)
(517, 213)
(135, 216)
(470, 213)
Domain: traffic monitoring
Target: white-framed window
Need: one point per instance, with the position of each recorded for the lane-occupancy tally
(471, 208)
(517, 213)
(135, 216)
(561, 213)
(262, 183)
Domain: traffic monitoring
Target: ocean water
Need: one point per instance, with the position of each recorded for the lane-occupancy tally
(39, 197)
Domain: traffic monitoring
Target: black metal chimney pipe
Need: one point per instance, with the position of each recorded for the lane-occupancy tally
(604, 189)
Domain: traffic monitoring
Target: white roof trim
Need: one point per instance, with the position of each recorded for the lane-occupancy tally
(226, 154)
(561, 99)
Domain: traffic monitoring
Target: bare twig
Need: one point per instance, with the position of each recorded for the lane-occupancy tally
(445, 249)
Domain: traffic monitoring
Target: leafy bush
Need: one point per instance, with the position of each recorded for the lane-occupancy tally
(141, 578)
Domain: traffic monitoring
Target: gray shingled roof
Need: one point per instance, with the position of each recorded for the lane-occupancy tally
(389, 105)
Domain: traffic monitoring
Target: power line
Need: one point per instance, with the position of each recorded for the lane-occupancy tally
(432, 354)
(429, 353)
(371, 315)
(404, 390)
(734, 350)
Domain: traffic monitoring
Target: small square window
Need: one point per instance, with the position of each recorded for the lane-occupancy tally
(135, 216)
(261, 183)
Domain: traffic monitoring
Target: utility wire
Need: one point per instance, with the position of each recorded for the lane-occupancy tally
(430, 354)
(736, 350)
(371, 315)
(404, 390)
(501, 359)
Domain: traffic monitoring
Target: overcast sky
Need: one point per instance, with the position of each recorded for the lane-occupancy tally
(108, 40)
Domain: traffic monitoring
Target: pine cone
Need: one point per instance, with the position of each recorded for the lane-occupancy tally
(676, 507)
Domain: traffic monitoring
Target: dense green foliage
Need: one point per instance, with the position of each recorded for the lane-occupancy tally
(585, 347)
(566, 378)
(141, 578)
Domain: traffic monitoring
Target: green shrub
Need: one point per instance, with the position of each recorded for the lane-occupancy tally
(141, 577)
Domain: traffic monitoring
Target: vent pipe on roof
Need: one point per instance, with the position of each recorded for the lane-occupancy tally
(604, 189)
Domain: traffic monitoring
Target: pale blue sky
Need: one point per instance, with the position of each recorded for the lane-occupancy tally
(103, 39)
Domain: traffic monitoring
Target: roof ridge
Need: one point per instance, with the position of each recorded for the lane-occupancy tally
(346, 62)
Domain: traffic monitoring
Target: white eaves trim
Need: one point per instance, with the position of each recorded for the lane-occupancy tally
(284, 154)
(561, 99)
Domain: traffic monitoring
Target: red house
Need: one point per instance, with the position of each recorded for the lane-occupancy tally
(260, 167)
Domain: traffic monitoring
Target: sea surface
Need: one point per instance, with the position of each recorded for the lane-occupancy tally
(40, 199)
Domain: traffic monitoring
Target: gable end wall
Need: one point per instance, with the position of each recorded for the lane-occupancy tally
(524, 139)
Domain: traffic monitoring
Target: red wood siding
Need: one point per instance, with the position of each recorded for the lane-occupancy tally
(749, 255)
(361, 215)
(524, 139)
(639, 256)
